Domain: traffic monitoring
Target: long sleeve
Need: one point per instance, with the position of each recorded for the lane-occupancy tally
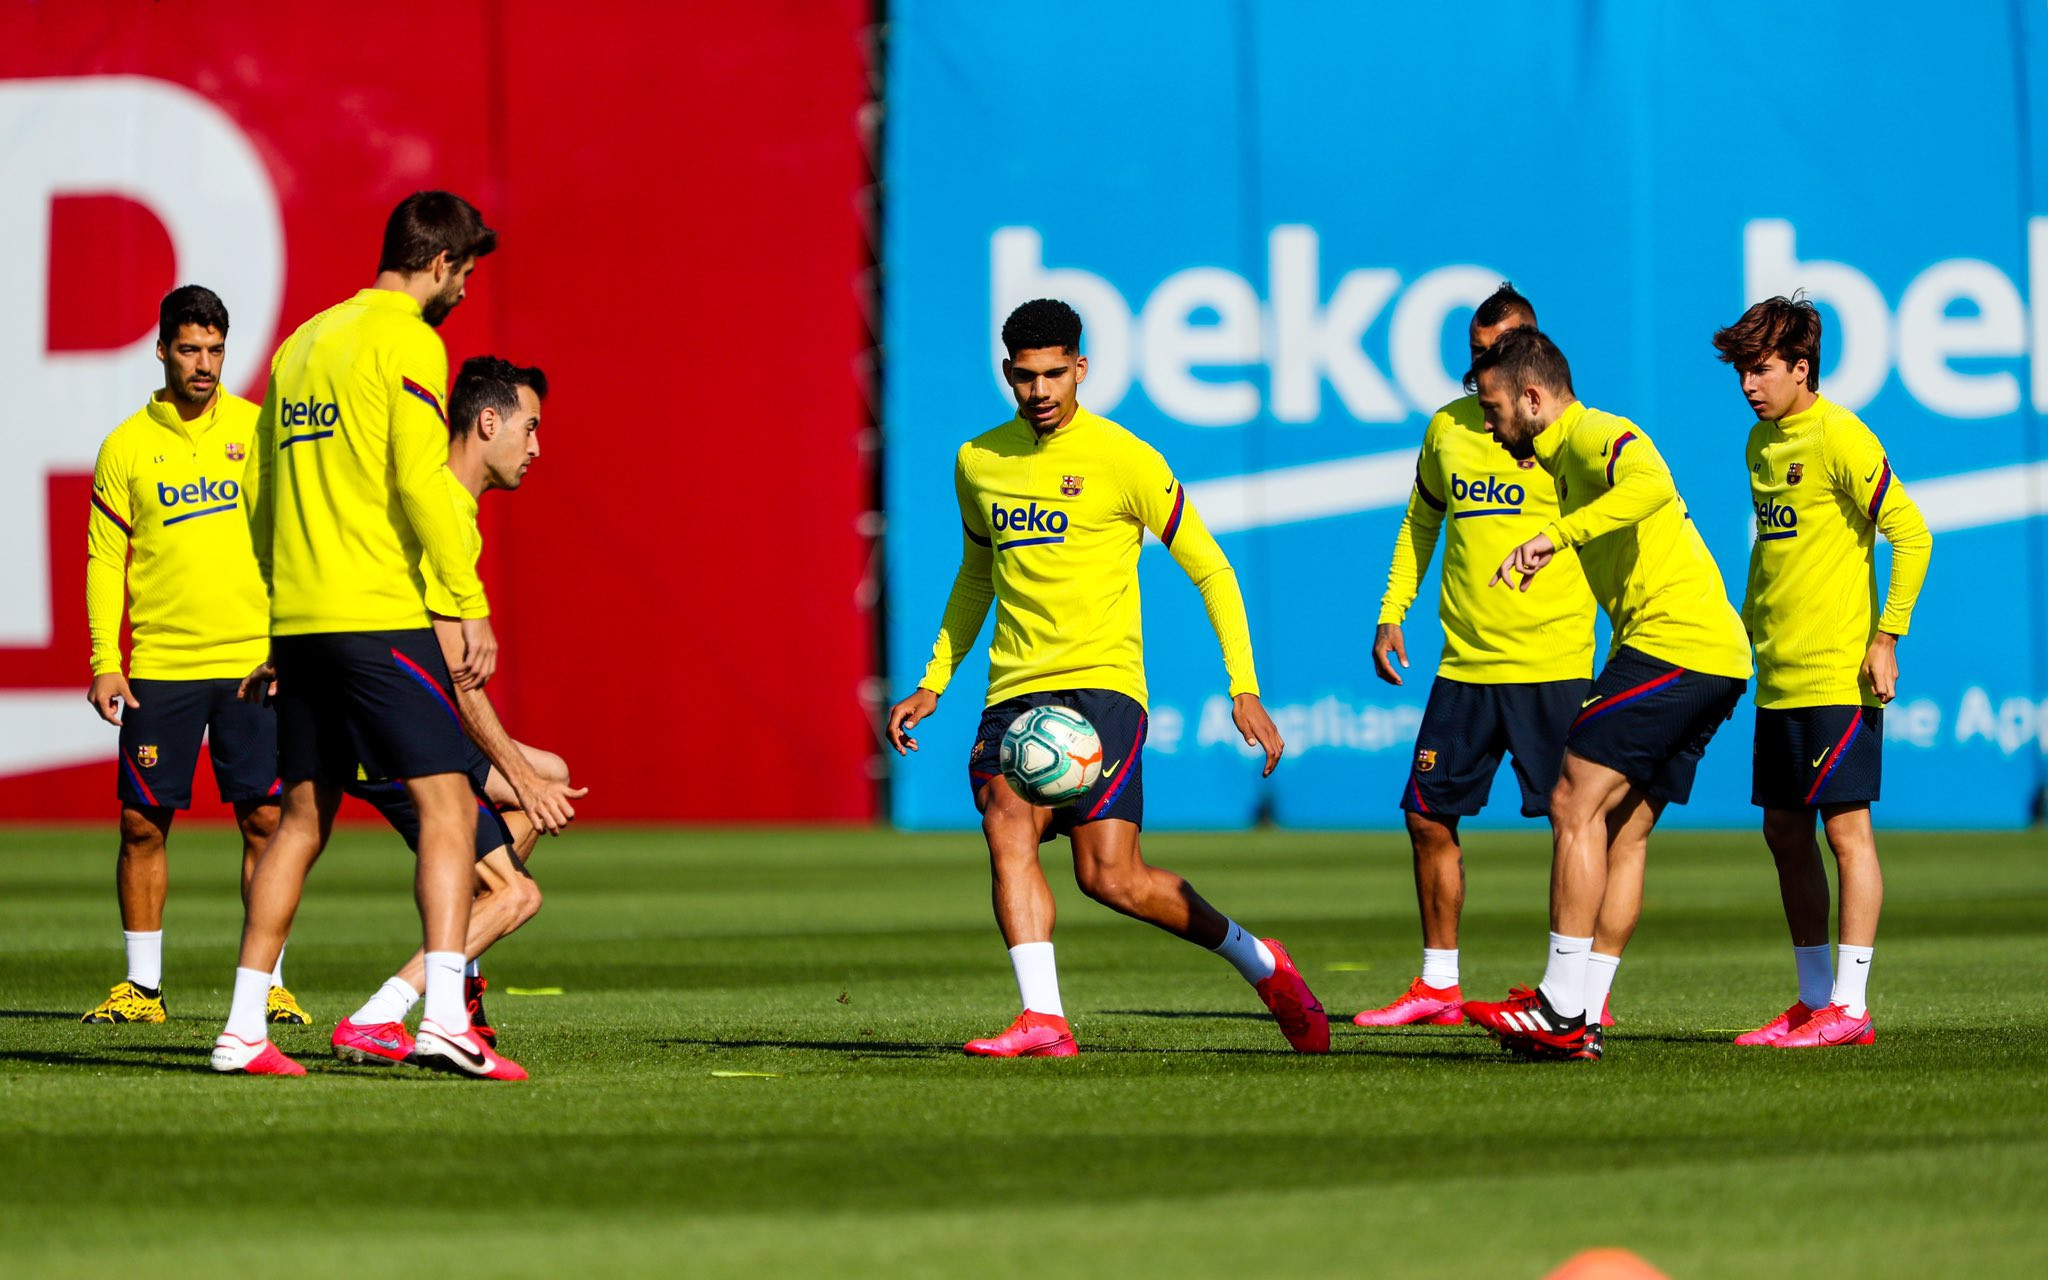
(419, 455)
(1864, 472)
(1415, 542)
(107, 529)
(974, 589)
(259, 504)
(1638, 484)
(1161, 503)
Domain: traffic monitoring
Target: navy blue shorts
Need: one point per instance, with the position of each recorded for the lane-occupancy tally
(1811, 756)
(160, 743)
(379, 699)
(1651, 721)
(390, 798)
(1468, 727)
(1119, 721)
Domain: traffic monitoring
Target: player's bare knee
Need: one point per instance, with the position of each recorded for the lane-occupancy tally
(1432, 837)
(142, 835)
(548, 765)
(525, 898)
(1788, 832)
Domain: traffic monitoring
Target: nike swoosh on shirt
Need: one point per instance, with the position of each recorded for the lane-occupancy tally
(1873, 473)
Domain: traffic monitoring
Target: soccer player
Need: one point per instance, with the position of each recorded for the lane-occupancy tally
(348, 491)
(1826, 655)
(1677, 666)
(494, 412)
(1515, 665)
(166, 538)
(1055, 504)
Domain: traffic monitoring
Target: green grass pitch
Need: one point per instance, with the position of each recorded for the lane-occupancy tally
(850, 965)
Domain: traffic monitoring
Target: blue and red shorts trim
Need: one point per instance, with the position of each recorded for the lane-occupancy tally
(1119, 721)
(379, 699)
(1807, 757)
(1651, 720)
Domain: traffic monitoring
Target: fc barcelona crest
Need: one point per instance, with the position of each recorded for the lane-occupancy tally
(145, 755)
(1794, 472)
(1425, 761)
(1071, 486)
(236, 452)
(1525, 463)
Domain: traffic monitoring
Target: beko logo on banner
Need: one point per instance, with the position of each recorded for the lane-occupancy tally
(1212, 319)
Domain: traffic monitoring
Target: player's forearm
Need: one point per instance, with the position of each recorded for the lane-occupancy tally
(966, 609)
(479, 718)
(1912, 548)
(1639, 493)
(1414, 545)
(106, 595)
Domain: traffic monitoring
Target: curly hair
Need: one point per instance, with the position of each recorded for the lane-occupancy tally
(1042, 322)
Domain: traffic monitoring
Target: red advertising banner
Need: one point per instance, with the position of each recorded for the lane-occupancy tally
(680, 587)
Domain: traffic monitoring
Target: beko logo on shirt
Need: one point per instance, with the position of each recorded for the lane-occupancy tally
(203, 491)
(307, 413)
(1034, 523)
(1775, 520)
(1489, 494)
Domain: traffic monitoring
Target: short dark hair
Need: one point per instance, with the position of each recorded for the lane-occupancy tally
(1500, 304)
(427, 224)
(190, 304)
(1784, 327)
(1527, 358)
(1042, 322)
(487, 382)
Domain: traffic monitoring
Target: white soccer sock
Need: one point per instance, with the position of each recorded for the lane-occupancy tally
(444, 991)
(1246, 953)
(1439, 968)
(1038, 979)
(249, 1014)
(1564, 974)
(1852, 978)
(392, 1002)
(1599, 981)
(471, 970)
(1816, 975)
(277, 970)
(145, 958)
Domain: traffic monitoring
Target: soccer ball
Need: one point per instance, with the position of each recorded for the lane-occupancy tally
(1051, 756)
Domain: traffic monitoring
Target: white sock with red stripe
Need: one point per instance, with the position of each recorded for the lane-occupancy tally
(145, 958)
(1246, 954)
(1564, 974)
(1038, 978)
(445, 1004)
(1816, 975)
(249, 1013)
(1852, 978)
(1439, 967)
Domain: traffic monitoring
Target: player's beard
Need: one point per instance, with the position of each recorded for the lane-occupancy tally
(437, 308)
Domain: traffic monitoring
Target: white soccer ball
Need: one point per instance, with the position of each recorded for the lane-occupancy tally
(1051, 756)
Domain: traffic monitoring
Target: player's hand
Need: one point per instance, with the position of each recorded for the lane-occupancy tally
(479, 654)
(1881, 666)
(1384, 641)
(1249, 715)
(546, 801)
(258, 684)
(1525, 560)
(903, 717)
(107, 695)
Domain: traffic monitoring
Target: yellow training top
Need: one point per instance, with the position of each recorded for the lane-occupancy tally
(1824, 489)
(169, 492)
(439, 602)
(1646, 563)
(347, 481)
(1053, 529)
(1494, 504)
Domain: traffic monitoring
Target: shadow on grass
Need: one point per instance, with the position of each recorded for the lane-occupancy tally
(139, 1056)
(40, 1015)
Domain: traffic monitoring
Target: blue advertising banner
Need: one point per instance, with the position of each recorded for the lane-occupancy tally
(1275, 219)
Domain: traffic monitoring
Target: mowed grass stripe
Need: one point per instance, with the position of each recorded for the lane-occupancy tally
(1183, 1140)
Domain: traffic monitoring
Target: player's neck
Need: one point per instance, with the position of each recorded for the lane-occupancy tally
(188, 412)
(1072, 413)
(419, 287)
(1800, 404)
(466, 461)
